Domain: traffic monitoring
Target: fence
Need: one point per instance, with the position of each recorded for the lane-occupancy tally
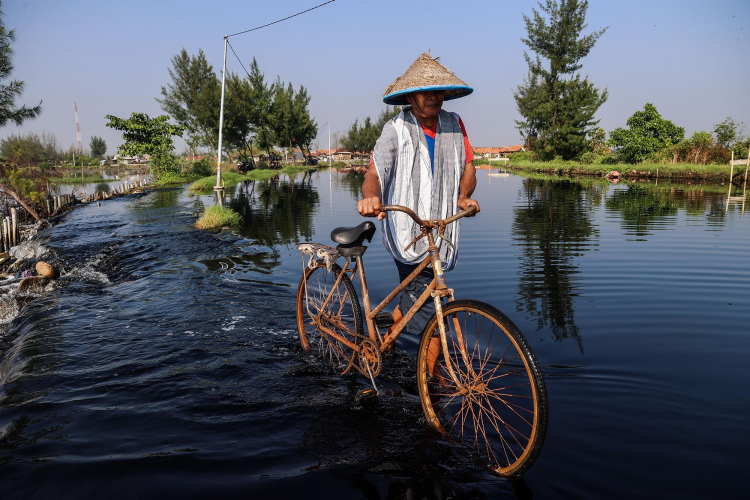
(10, 233)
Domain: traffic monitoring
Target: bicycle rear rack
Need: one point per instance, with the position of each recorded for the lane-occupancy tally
(319, 253)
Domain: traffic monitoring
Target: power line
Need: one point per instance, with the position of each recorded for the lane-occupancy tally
(238, 58)
(280, 20)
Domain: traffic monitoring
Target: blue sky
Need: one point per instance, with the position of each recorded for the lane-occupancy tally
(691, 59)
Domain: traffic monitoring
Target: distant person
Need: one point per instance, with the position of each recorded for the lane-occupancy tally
(422, 160)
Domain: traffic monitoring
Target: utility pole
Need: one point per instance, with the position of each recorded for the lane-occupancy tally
(218, 186)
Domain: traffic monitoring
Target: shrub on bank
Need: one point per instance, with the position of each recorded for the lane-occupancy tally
(228, 179)
(523, 156)
(336, 164)
(202, 168)
(168, 178)
(218, 216)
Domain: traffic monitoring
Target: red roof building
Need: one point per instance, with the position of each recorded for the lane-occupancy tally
(497, 152)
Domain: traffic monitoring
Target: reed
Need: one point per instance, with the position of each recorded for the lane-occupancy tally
(218, 216)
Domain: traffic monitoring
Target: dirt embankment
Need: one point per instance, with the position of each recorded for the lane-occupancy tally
(718, 176)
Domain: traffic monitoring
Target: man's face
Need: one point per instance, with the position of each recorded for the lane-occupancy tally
(426, 104)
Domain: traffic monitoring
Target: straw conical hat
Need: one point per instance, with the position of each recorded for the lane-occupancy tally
(425, 74)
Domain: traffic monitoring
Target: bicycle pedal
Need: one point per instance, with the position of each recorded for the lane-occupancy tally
(366, 395)
(384, 320)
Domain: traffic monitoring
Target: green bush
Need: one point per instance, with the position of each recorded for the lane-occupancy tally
(202, 168)
(610, 160)
(740, 149)
(171, 177)
(523, 156)
(589, 158)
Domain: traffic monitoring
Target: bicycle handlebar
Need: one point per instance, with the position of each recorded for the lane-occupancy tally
(428, 223)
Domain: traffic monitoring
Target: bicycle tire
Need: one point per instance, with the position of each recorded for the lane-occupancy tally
(342, 315)
(501, 411)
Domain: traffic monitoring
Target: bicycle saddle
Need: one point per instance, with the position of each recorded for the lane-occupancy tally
(354, 236)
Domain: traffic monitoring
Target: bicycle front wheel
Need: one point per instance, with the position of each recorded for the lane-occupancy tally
(495, 403)
(329, 318)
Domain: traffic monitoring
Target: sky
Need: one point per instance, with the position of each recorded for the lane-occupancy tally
(690, 58)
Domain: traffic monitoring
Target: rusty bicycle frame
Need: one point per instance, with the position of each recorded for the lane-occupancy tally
(437, 289)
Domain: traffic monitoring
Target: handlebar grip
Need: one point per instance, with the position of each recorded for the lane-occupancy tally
(464, 213)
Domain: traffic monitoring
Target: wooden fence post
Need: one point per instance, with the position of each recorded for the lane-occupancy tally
(14, 226)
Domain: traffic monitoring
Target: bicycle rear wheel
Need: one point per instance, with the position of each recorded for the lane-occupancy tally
(329, 318)
(498, 408)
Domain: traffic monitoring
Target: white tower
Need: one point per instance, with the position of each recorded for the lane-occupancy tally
(78, 128)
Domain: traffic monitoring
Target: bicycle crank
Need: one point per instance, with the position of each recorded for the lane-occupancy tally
(369, 359)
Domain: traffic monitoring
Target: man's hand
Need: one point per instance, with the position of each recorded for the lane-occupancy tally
(370, 207)
(370, 204)
(465, 203)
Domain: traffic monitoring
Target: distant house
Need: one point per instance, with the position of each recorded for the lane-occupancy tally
(497, 152)
(127, 160)
(339, 154)
(321, 154)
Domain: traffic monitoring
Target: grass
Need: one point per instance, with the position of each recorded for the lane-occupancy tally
(218, 216)
(715, 173)
(228, 179)
(175, 178)
(336, 164)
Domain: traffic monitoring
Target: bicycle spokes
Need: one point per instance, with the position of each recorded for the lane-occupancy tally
(491, 404)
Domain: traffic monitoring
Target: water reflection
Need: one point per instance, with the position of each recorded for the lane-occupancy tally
(553, 226)
(644, 208)
(277, 212)
(737, 199)
(641, 207)
(351, 181)
(102, 187)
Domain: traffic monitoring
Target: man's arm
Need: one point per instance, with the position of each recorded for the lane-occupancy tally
(466, 188)
(369, 205)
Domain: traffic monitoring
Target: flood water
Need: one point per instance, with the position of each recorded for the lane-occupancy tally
(165, 361)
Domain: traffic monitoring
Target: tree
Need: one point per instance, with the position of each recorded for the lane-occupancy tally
(556, 103)
(27, 185)
(98, 147)
(597, 140)
(30, 149)
(239, 115)
(151, 136)
(262, 108)
(193, 98)
(364, 138)
(648, 133)
(728, 132)
(304, 127)
(14, 89)
(291, 123)
(26, 169)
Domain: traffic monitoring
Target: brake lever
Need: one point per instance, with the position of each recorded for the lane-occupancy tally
(414, 241)
(440, 235)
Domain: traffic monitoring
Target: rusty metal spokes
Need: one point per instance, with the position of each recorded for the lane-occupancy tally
(331, 317)
(492, 405)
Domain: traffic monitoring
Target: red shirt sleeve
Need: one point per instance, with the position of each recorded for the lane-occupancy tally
(467, 144)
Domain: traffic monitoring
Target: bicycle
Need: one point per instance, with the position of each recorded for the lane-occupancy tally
(478, 379)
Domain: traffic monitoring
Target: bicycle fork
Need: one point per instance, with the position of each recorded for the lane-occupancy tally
(441, 290)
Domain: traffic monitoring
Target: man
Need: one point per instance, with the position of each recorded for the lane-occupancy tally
(422, 160)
